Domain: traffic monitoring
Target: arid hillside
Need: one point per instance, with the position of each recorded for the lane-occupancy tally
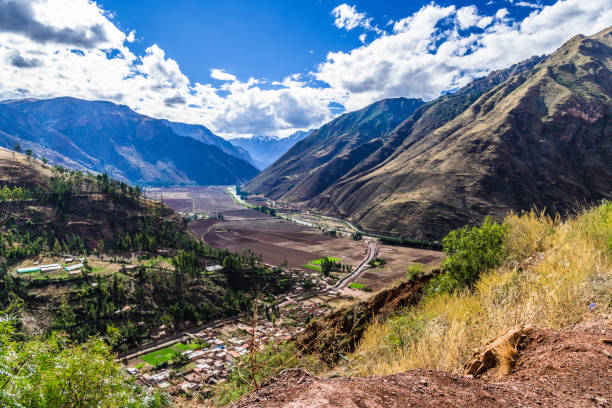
(536, 134)
(62, 203)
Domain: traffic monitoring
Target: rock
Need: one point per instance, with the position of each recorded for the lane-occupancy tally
(487, 356)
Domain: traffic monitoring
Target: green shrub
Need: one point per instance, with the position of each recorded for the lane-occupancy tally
(471, 251)
(377, 262)
(414, 270)
(443, 283)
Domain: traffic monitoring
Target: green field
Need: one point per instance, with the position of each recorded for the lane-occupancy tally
(160, 356)
(166, 354)
(316, 263)
(355, 285)
(185, 347)
(320, 260)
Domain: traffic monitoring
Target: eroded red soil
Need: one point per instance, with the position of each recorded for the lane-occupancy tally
(569, 368)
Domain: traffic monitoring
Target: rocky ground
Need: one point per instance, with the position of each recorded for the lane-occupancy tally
(549, 368)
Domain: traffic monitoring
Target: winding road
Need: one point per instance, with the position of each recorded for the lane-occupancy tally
(371, 254)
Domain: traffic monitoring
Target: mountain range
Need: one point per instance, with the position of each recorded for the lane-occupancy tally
(534, 135)
(265, 150)
(106, 137)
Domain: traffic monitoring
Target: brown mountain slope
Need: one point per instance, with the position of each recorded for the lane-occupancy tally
(538, 137)
(317, 161)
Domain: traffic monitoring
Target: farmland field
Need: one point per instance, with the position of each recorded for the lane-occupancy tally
(397, 259)
(278, 240)
(166, 354)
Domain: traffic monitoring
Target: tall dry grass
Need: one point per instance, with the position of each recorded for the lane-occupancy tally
(441, 332)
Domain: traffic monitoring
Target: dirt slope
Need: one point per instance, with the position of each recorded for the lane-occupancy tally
(339, 332)
(569, 368)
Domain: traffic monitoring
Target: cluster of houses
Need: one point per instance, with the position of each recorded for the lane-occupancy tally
(226, 344)
(317, 280)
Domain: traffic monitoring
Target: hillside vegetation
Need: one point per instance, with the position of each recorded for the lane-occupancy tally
(54, 373)
(140, 267)
(551, 274)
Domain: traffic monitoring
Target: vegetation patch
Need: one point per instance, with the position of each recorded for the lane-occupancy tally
(189, 346)
(359, 286)
(160, 356)
(411, 243)
(377, 262)
(414, 270)
(313, 267)
(320, 260)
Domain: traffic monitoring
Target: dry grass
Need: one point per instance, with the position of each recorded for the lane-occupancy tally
(441, 332)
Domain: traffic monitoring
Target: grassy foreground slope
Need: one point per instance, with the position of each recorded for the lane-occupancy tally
(552, 274)
(497, 278)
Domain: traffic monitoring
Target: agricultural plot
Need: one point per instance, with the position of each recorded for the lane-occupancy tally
(315, 264)
(199, 199)
(320, 260)
(397, 259)
(279, 240)
(160, 356)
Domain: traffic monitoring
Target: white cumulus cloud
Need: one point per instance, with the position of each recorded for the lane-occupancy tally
(52, 48)
(348, 18)
(221, 75)
(427, 54)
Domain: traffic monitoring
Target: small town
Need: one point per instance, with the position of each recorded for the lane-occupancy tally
(205, 358)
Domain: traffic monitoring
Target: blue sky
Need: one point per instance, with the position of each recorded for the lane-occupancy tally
(263, 38)
(269, 67)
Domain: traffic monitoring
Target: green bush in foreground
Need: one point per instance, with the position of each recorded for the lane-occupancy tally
(55, 373)
(470, 251)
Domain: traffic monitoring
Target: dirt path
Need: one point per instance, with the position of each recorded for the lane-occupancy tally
(570, 368)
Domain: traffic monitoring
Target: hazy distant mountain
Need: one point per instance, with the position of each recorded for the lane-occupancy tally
(536, 134)
(266, 149)
(105, 137)
(204, 135)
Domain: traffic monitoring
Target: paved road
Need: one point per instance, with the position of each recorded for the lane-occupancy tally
(372, 253)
